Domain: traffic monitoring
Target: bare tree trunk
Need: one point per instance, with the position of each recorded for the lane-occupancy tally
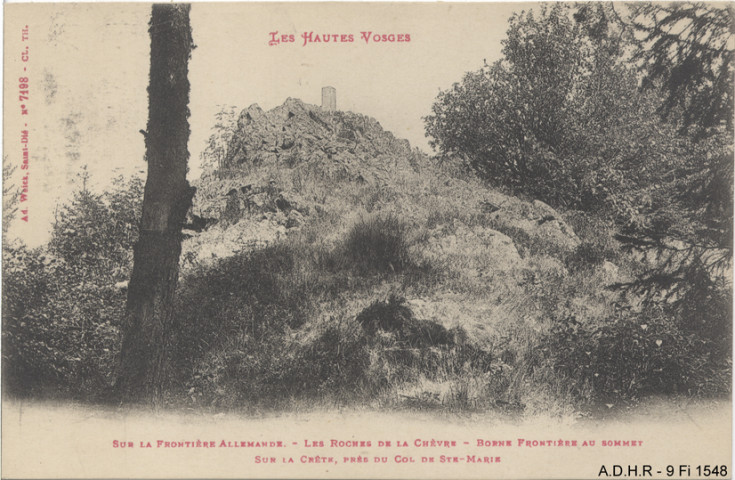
(149, 312)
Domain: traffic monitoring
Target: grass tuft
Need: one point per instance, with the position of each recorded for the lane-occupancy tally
(378, 243)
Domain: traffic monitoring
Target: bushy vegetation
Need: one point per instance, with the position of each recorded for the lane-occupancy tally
(60, 327)
(632, 354)
(307, 323)
(627, 118)
(378, 243)
(560, 117)
(61, 307)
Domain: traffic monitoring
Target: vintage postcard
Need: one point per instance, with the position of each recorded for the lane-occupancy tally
(367, 240)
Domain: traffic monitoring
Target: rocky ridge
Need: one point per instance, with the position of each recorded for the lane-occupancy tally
(296, 131)
(296, 162)
(298, 167)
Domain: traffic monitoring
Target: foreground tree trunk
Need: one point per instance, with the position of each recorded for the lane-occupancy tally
(149, 310)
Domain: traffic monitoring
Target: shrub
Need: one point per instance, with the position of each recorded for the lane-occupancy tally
(97, 232)
(572, 129)
(633, 354)
(252, 294)
(587, 255)
(61, 310)
(378, 243)
(396, 317)
(60, 326)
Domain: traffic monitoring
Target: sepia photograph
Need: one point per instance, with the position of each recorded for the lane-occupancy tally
(367, 240)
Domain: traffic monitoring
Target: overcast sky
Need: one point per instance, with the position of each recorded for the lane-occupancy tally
(88, 70)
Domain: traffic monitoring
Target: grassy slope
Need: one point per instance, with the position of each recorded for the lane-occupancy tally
(278, 295)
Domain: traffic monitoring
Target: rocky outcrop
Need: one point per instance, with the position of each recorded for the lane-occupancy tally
(297, 162)
(477, 251)
(536, 222)
(296, 131)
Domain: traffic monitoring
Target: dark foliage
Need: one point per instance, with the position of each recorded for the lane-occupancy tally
(61, 307)
(97, 232)
(378, 243)
(560, 117)
(60, 327)
(239, 324)
(409, 343)
(274, 370)
(251, 295)
(636, 354)
(686, 47)
(395, 316)
(688, 223)
(588, 255)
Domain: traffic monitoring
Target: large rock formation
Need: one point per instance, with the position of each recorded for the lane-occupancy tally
(297, 131)
(297, 162)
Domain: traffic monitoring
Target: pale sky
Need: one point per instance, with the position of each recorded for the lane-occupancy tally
(88, 71)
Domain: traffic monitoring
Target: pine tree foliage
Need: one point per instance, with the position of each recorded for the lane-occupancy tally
(688, 49)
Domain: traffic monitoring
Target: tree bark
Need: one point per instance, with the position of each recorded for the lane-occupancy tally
(149, 311)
